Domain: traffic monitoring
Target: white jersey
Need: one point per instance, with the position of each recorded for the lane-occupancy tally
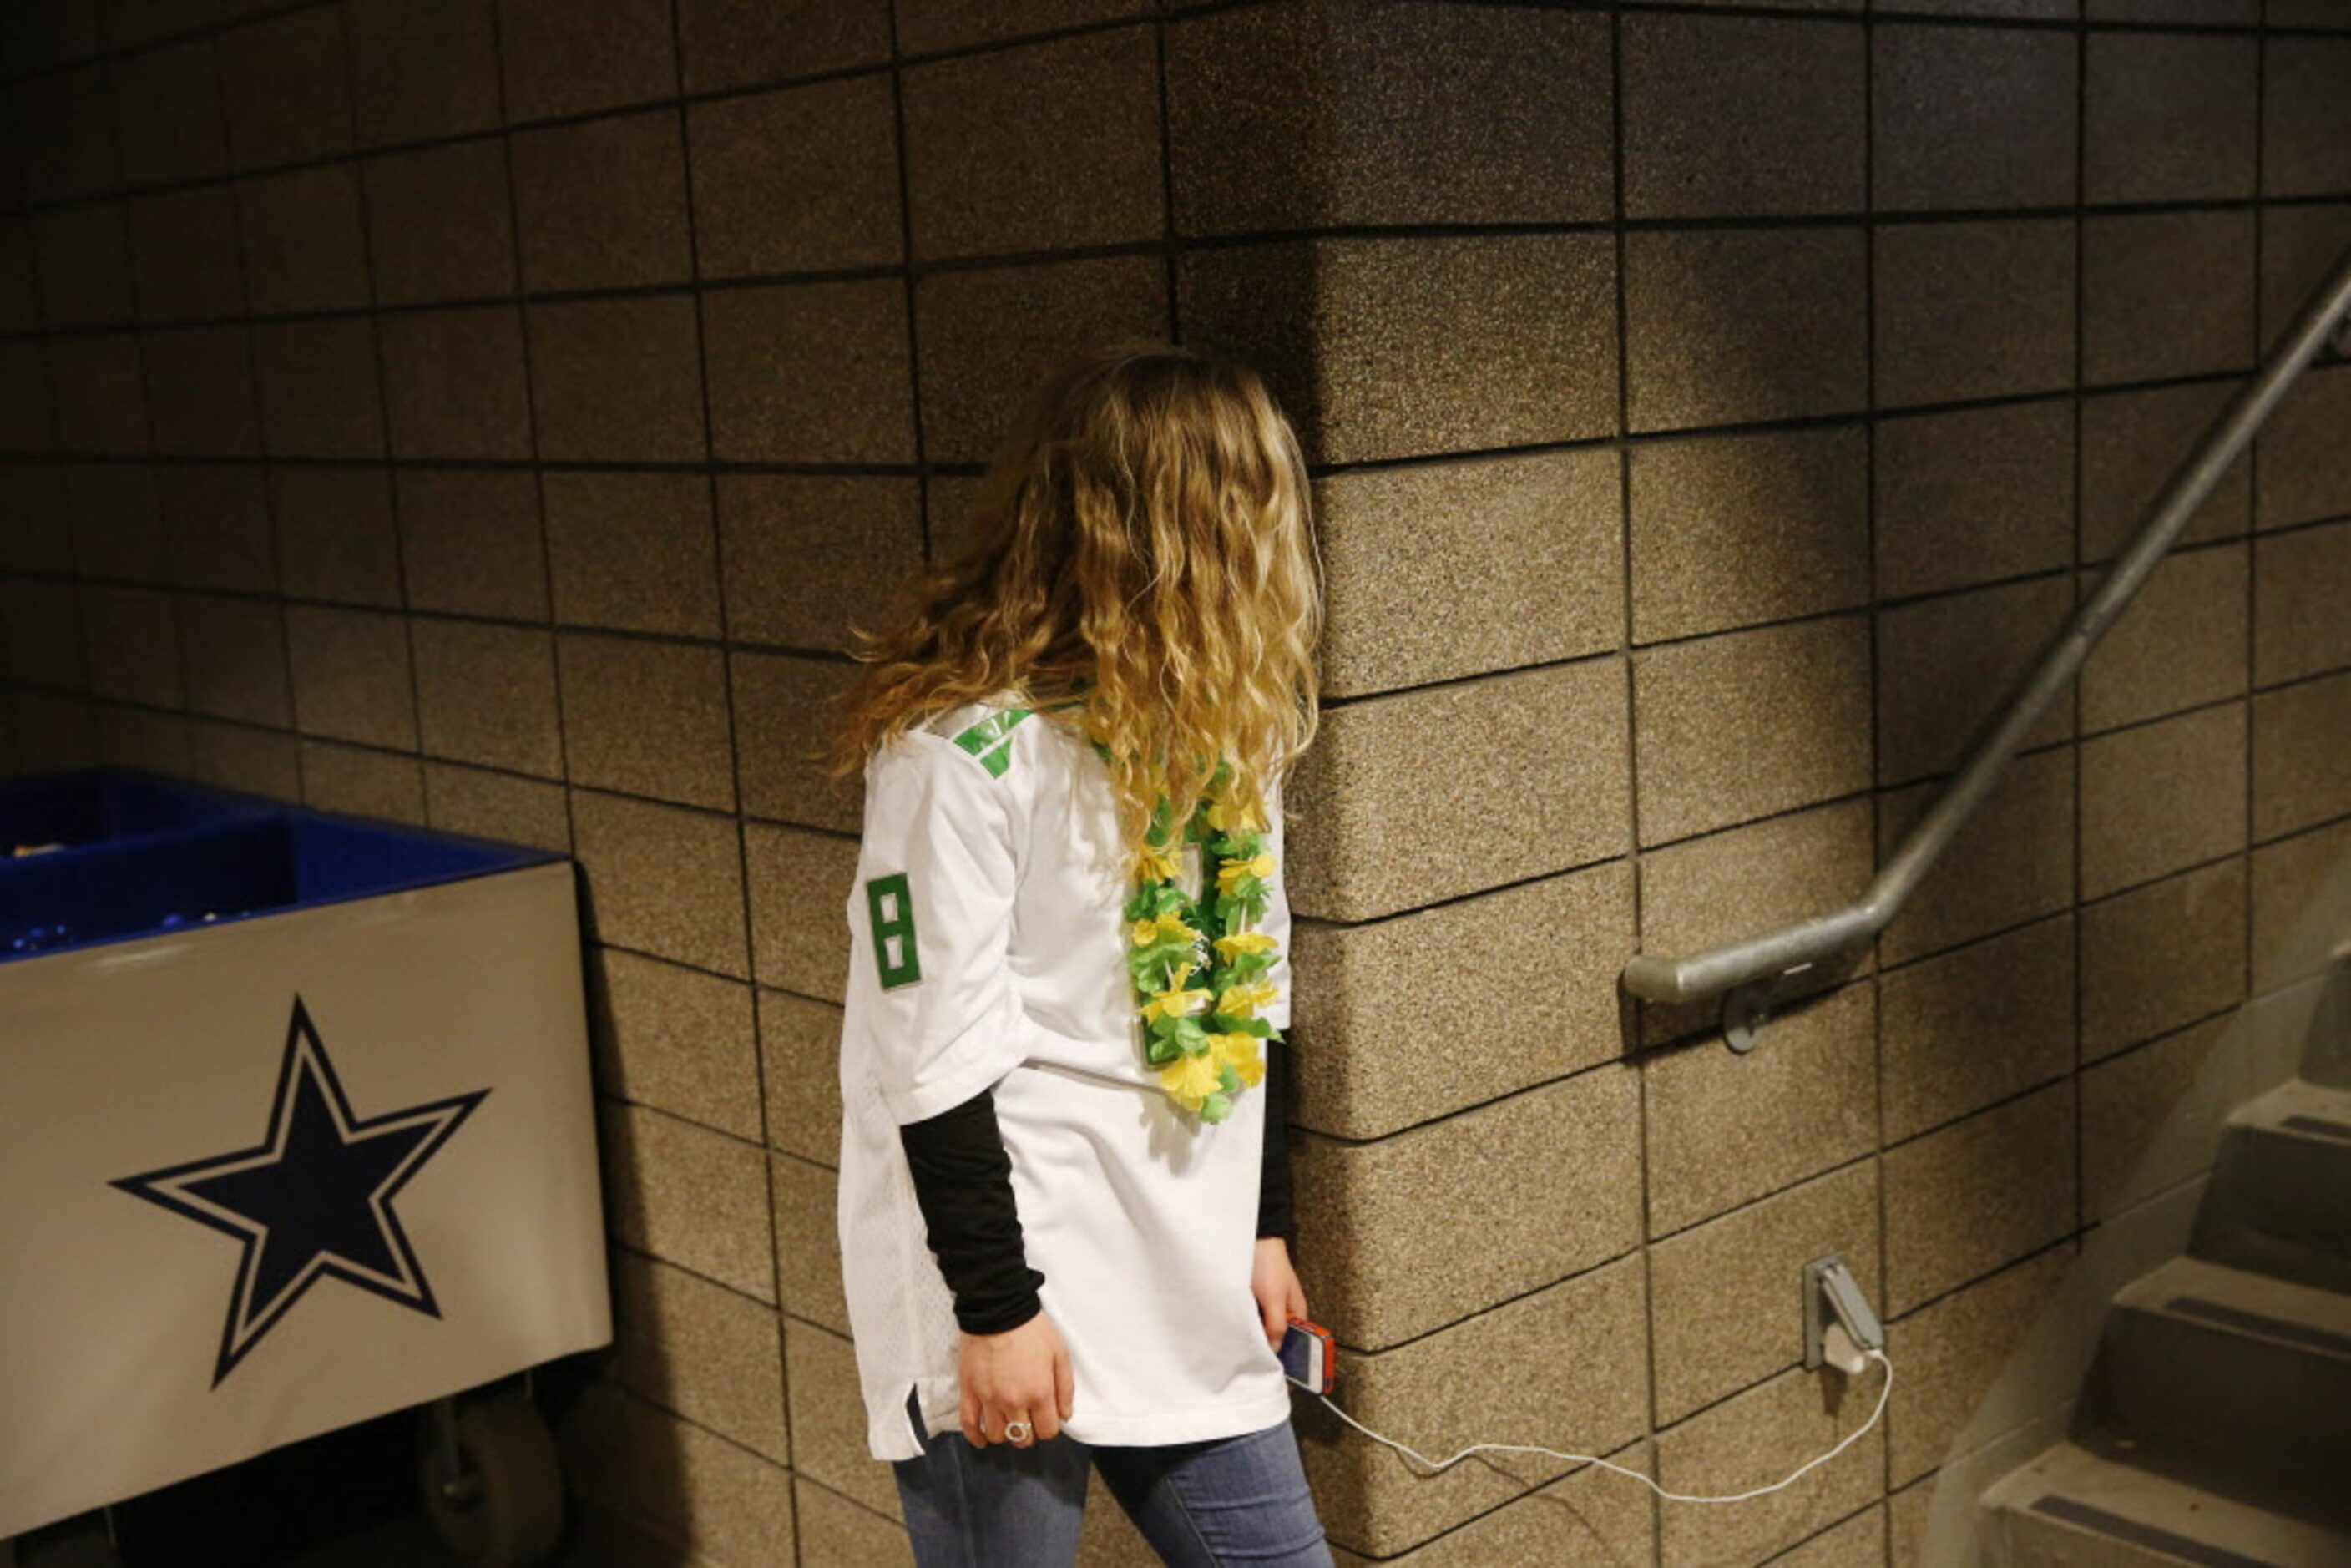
(988, 938)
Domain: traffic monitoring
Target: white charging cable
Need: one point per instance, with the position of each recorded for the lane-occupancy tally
(1864, 1356)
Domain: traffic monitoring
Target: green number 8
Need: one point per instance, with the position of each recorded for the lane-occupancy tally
(891, 908)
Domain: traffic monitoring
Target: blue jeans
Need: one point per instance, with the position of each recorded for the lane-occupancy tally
(1199, 1504)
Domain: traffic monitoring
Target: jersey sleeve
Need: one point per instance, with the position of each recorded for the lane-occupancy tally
(930, 987)
(1276, 920)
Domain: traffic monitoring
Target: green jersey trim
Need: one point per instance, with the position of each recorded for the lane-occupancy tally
(988, 740)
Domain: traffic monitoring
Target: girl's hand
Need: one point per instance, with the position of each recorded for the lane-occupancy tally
(1020, 1375)
(1274, 1283)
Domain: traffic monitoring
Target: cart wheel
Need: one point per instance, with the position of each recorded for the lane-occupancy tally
(79, 1548)
(504, 1506)
(80, 1552)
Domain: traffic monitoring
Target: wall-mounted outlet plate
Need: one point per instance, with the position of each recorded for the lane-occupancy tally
(1831, 1295)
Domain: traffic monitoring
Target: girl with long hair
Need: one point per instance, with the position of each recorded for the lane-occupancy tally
(1064, 1206)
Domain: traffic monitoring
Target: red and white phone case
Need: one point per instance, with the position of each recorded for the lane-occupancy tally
(1309, 1356)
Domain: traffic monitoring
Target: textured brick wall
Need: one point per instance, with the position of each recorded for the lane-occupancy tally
(491, 414)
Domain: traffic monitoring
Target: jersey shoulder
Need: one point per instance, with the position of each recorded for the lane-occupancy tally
(990, 732)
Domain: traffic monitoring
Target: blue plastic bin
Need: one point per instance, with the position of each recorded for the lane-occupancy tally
(98, 805)
(219, 863)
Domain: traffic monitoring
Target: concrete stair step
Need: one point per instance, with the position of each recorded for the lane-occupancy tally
(2279, 1198)
(2083, 1510)
(2251, 1372)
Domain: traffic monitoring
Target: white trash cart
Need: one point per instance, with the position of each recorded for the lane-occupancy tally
(297, 1130)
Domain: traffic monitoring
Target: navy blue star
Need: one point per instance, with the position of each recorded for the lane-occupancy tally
(313, 1198)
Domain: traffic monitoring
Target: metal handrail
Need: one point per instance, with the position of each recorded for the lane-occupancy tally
(1739, 968)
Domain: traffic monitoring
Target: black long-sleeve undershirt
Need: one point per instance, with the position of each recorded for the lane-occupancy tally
(963, 1183)
(1274, 1215)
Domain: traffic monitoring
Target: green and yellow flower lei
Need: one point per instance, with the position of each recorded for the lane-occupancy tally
(1204, 1039)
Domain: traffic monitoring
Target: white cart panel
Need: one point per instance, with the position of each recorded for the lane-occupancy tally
(185, 1282)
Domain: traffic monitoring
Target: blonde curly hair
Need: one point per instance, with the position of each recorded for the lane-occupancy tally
(1142, 538)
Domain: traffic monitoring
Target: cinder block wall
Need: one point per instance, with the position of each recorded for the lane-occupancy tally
(491, 415)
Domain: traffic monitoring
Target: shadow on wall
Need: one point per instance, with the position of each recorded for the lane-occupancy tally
(1725, 533)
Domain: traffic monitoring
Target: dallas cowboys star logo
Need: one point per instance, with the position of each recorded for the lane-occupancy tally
(313, 1198)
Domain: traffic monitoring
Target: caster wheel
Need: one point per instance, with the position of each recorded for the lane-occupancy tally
(503, 1508)
(82, 1542)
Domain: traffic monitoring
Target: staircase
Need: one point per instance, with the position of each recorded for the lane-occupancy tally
(2215, 1427)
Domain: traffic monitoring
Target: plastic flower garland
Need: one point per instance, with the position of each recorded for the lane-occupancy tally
(1204, 1038)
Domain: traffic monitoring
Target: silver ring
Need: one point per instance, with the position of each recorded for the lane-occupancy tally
(1017, 1431)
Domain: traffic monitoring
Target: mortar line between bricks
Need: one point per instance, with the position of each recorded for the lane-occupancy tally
(751, 818)
(581, 629)
(2079, 347)
(1641, 1245)
(1325, 469)
(537, 483)
(279, 619)
(383, 434)
(1788, 12)
(1882, 1250)
(2262, 337)
(1168, 235)
(1170, 249)
(1629, 1013)
(717, 537)
(907, 274)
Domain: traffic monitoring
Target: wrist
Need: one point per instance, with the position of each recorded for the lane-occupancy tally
(999, 1317)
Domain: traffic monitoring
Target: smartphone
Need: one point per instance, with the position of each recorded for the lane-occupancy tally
(1308, 1357)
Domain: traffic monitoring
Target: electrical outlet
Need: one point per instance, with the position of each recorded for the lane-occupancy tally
(1832, 1300)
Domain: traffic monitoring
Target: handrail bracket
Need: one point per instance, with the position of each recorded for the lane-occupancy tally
(1745, 1011)
(1749, 1007)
